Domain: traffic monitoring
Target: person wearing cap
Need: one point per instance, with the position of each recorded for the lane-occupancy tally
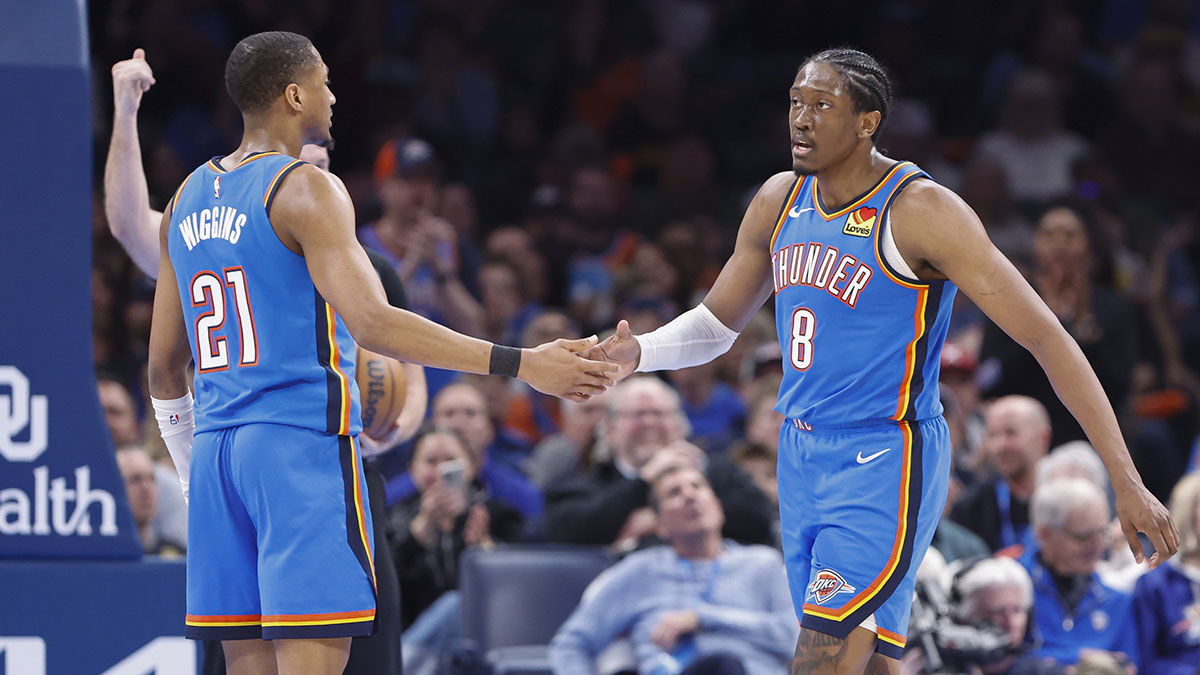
(423, 247)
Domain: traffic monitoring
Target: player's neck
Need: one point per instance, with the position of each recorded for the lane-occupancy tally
(262, 136)
(852, 177)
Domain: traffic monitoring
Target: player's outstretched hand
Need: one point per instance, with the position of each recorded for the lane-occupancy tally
(1139, 511)
(131, 78)
(559, 369)
(620, 348)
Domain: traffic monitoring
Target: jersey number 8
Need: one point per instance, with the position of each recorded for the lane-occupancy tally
(804, 324)
(212, 350)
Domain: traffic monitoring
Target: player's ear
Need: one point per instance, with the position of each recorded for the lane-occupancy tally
(291, 96)
(868, 122)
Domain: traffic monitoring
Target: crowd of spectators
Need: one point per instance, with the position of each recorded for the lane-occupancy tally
(542, 170)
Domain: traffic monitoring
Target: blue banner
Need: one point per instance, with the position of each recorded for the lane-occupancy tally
(111, 617)
(60, 492)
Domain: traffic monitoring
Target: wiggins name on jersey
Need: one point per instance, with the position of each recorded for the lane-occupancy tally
(266, 345)
(861, 342)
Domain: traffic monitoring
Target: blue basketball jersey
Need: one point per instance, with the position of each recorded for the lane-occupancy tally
(861, 343)
(266, 345)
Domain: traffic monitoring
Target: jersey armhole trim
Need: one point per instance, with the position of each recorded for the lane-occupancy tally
(175, 199)
(793, 193)
(276, 182)
(907, 280)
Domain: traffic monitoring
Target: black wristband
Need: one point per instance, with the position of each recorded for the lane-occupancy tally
(505, 361)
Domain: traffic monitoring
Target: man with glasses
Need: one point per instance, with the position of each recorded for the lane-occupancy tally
(646, 432)
(1072, 609)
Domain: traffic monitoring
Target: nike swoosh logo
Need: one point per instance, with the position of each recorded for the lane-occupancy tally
(864, 460)
(796, 211)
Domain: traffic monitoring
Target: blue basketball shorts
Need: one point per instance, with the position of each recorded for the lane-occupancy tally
(858, 508)
(279, 536)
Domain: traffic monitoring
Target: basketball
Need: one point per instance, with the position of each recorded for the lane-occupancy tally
(381, 389)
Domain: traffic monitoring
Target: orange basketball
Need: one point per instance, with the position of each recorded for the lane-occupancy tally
(381, 390)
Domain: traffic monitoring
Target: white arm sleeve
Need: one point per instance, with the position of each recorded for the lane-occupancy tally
(690, 339)
(177, 423)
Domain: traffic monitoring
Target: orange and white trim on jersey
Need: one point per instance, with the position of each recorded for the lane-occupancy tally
(783, 213)
(359, 511)
(216, 166)
(273, 186)
(861, 200)
(327, 619)
(870, 591)
(910, 354)
(335, 357)
(175, 198)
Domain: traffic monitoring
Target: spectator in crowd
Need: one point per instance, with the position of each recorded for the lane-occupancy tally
(1166, 601)
(120, 413)
(759, 462)
(449, 511)
(572, 450)
(1098, 319)
(762, 419)
(529, 414)
(997, 592)
(985, 186)
(699, 604)
(137, 470)
(461, 408)
(1031, 145)
(169, 522)
(507, 308)
(714, 410)
(424, 248)
(1016, 437)
(1072, 608)
(646, 432)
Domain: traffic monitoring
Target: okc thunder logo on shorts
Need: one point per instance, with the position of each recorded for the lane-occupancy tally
(827, 584)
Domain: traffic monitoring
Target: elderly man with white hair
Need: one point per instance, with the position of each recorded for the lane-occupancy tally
(646, 432)
(998, 592)
(1072, 608)
(1166, 602)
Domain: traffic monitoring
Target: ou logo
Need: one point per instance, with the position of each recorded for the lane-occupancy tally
(18, 411)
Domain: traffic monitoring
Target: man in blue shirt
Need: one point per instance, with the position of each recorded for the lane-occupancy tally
(699, 602)
(1072, 609)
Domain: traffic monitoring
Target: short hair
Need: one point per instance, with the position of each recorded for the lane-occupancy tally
(652, 383)
(430, 429)
(262, 65)
(1183, 511)
(1076, 454)
(1053, 502)
(870, 87)
(652, 493)
(992, 573)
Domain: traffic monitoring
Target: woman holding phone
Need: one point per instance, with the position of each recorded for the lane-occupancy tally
(430, 529)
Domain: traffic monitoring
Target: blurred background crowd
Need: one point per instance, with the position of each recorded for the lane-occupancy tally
(536, 170)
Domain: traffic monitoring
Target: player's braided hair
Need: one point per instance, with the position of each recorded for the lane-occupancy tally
(870, 88)
(262, 65)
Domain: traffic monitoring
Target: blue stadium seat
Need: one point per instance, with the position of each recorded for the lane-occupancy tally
(514, 598)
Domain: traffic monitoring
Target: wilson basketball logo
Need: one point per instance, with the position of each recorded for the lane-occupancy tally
(827, 584)
(859, 223)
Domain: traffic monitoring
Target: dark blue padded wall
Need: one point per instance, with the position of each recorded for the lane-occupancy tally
(60, 492)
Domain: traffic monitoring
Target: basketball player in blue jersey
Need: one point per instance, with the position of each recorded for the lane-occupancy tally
(864, 254)
(262, 283)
